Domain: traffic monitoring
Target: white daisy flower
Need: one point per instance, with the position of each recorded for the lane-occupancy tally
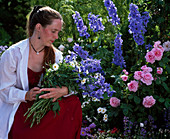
(50, 70)
(55, 66)
(103, 110)
(84, 96)
(99, 110)
(83, 81)
(94, 99)
(72, 64)
(105, 118)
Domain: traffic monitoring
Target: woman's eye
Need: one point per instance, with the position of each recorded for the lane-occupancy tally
(53, 31)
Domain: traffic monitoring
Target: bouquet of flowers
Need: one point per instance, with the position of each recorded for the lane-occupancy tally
(83, 76)
(62, 74)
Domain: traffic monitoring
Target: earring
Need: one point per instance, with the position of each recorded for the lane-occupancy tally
(39, 36)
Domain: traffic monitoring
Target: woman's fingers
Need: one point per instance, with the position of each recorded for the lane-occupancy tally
(54, 93)
(50, 95)
(31, 95)
(47, 89)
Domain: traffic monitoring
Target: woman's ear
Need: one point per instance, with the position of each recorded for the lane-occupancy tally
(38, 26)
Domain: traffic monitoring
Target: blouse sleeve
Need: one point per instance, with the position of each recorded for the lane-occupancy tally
(8, 78)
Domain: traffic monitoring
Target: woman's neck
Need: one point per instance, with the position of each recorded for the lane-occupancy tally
(36, 45)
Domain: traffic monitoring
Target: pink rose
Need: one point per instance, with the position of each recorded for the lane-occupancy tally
(158, 53)
(114, 102)
(157, 43)
(146, 69)
(133, 86)
(127, 73)
(159, 70)
(150, 57)
(124, 70)
(138, 75)
(124, 77)
(147, 78)
(160, 47)
(148, 101)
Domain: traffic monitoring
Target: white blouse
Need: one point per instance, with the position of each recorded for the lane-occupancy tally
(14, 82)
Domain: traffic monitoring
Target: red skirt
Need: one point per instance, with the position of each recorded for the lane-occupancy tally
(66, 125)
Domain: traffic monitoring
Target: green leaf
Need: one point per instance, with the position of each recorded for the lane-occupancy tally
(165, 60)
(56, 106)
(161, 64)
(163, 78)
(158, 81)
(125, 112)
(161, 100)
(166, 87)
(130, 97)
(105, 96)
(137, 99)
(168, 69)
(167, 105)
(115, 114)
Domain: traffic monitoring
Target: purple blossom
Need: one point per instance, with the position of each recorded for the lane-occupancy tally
(145, 18)
(127, 126)
(148, 47)
(92, 65)
(137, 23)
(151, 122)
(143, 132)
(89, 67)
(80, 25)
(118, 58)
(70, 57)
(95, 22)
(3, 48)
(83, 132)
(87, 129)
(82, 53)
(92, 125)
(112, 11)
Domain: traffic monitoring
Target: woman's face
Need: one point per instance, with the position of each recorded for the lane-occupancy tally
(50, 33)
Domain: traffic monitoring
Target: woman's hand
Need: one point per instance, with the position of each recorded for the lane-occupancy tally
(31, 95)
(54, 92)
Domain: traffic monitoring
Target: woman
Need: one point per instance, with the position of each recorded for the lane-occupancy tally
(21, 67)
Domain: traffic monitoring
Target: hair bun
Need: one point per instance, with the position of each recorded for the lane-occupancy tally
(36, 8)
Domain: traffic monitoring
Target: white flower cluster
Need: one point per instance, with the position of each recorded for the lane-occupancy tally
(103, 111)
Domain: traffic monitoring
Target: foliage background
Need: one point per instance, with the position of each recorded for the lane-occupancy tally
(13, 15)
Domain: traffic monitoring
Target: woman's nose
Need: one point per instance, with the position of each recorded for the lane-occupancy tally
(56, 36)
